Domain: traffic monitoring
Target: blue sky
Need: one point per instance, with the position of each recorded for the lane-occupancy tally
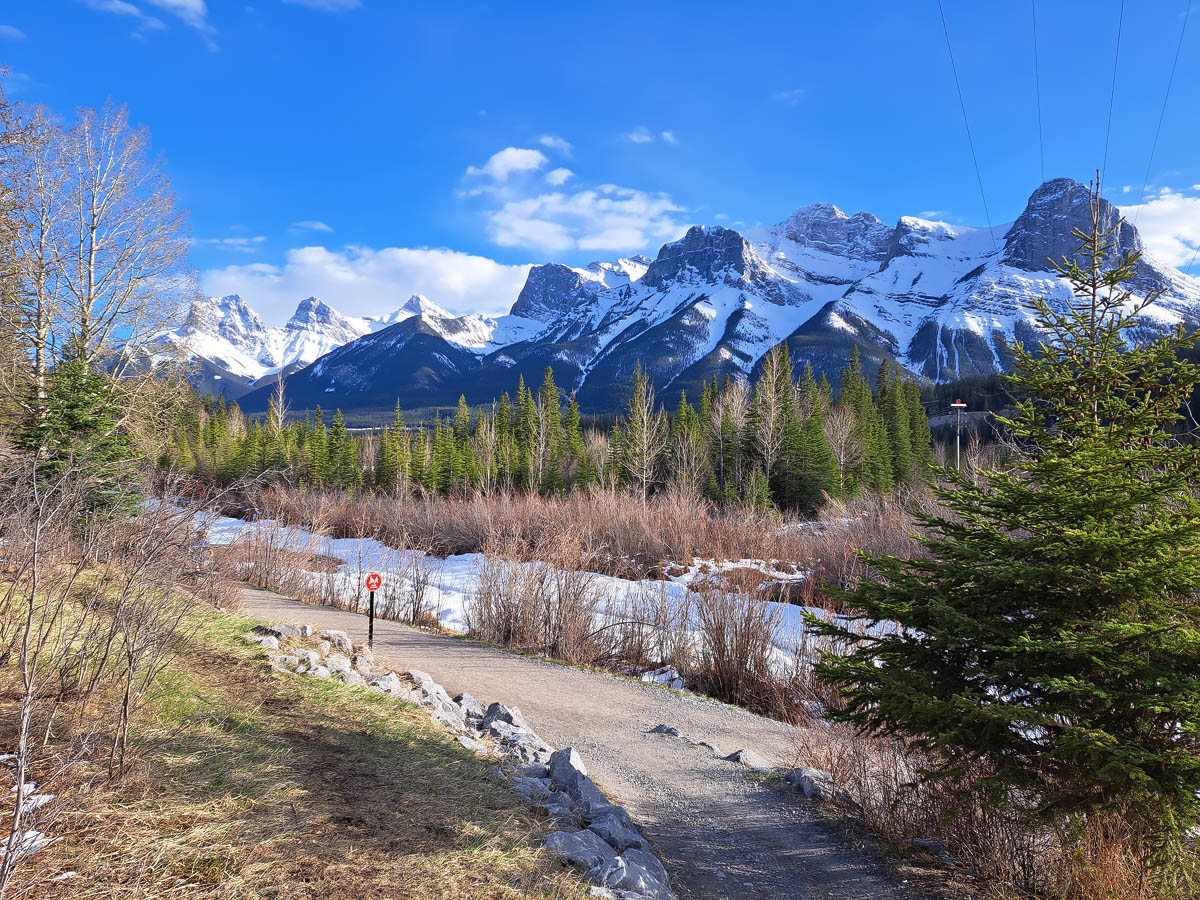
(365, 149)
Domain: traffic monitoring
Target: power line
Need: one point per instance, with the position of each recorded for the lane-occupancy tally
(1037, 81)
(1112, 94)
(966, 124)
(1162, 114)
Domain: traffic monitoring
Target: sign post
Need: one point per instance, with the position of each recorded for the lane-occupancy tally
(958, 406)
(373, 583)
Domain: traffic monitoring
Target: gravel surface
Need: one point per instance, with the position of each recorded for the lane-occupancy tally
(719, 832)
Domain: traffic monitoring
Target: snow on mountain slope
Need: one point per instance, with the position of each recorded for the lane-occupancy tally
(942, 300)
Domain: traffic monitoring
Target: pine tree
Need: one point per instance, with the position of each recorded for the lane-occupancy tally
(78, 431)
(1052, 633)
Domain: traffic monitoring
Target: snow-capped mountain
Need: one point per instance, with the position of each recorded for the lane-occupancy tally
(939, 299)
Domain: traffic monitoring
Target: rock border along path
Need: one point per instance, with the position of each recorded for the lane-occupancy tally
(720, 832)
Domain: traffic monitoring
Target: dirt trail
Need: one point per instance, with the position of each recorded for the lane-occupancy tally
(720, 833)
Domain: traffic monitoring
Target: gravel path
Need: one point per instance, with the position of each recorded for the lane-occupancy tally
(720, 833)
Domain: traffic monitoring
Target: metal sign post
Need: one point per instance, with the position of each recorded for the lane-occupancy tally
(373, 583)
(958, 406)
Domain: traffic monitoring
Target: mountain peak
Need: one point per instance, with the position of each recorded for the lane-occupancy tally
(420, 305)
(707, 251)
(822, 226)
(1043, 231)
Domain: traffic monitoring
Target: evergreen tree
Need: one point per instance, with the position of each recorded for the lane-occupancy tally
(1052, 632)
(79, 431)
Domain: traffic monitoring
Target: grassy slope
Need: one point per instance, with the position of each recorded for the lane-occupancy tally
(254, 783)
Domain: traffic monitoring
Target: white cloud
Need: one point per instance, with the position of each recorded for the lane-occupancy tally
(328, 5)
(1169, 224)
(935, 214)
(607, 217)
(235, 244)
(310, 225)
(11, 33)
(558, 177)
(789, 97)
(554, 142)
(194, 14)
(364, 281)
(640, 135)
(122, 8)
(508, 161)
(18, 82)
(669, 137)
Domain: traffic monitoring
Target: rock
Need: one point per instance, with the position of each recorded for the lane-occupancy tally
(593, 810)
(338, 640)
(532, 788)
(669, 730)
(308, 657)
(817, 784)
(471, 707)
(470, 743)
(569, 775)
(253, 638)
(510, 714)
(269, 643)
(387, 684)
(617, 834)
(305, 630)
(531, 770)
(361, 664)
(566, 765)
(350, 677)
(324, 648)
(365, 651)
(284, 660)
(634, 870)
(319, 672)
(750, 760)
(336, 662)
(278, 631)
(585, 849)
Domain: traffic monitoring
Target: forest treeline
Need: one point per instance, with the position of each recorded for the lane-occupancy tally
(784, 440)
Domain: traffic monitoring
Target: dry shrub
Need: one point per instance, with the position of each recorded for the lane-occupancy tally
(877, 526)
(89, 616)
(618, 534)
(1103, 855)
(538, 599)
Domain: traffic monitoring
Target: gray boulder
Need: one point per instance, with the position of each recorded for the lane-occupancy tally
(817, 784)
(617, 833)
(305, 630)
(308, 657)
(337, 662)
(338, 640)
(350, 677)
(471, 707)
(319, 672)
(569, 775)
(269, 643)
(664, 728)
(498, 712)
(634, 870)
(278, 631)
(284, 660)
(324, 648)
(585, 849)
(750, 760)
(387, 684)
(361, 664)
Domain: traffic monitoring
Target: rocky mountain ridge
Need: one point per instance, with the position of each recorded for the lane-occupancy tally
(939, 299)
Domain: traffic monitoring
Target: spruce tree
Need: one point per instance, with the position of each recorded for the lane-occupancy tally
(1050, 638)
(79, 432)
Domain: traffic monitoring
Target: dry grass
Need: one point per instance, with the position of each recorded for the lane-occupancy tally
(252, 783)
(617, 533)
